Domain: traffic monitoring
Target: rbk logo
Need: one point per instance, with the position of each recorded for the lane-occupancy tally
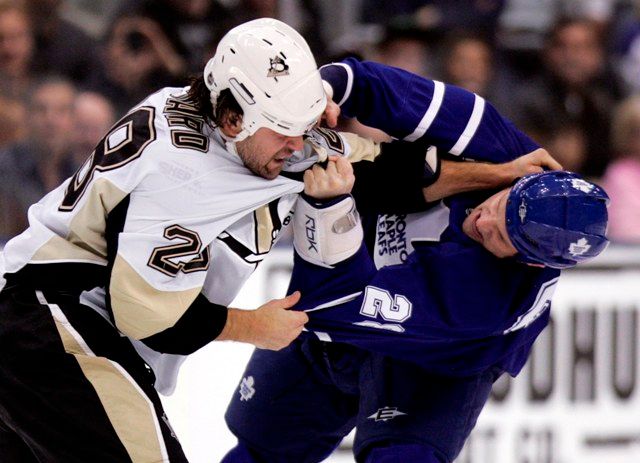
(310, 227)
(385, 414)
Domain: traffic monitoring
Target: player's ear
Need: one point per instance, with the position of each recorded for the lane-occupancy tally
(231, 124)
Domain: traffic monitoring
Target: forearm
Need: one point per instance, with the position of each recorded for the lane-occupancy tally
(459, 177)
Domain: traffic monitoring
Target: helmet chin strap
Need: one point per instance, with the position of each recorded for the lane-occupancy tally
(230, 142)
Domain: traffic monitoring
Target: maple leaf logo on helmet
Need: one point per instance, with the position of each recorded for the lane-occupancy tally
(579, 247)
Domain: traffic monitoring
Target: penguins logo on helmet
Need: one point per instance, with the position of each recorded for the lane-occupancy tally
(277, 67)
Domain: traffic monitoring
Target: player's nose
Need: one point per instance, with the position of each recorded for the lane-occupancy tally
(486, 224)
(295, 143)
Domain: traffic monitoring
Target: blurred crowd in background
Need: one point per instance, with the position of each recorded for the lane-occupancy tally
(567, 72)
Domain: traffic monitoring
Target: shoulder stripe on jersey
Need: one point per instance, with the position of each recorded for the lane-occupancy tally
(347, 91)
(430, 115)
(470, 129)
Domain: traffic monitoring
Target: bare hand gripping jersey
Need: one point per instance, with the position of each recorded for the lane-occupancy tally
(161, 226)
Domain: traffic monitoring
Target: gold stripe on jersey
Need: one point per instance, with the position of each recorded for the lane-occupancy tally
(87, 227)
(140, 310)
(264, 229)
(362, 149)
(118, 394)
(57, 248)
(86, 240)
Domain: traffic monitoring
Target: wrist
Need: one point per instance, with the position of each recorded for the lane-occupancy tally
(238, 326)
(504, 174)
(321, 203)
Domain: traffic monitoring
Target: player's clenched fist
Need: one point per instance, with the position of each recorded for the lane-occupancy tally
(533, 163)
(334, 180)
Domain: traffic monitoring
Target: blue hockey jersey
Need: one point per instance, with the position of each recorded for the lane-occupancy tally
(451, 307)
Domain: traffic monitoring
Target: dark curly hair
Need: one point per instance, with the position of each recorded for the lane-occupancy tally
(227, 108)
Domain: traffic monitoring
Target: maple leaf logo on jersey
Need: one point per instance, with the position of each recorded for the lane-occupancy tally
(246, 388)
(579, 247)
(277, 67)
(386, 413)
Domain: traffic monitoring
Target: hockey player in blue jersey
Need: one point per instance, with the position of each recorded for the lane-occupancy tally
(417, 346)
(428, 336)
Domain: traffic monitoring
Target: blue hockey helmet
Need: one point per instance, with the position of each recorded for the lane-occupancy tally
(557, 219)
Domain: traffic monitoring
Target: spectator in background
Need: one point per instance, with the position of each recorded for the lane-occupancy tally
(13, 121)
(406, 48)
(626, 46)
(62, 48)
(575, 85)
(622, 177)
(524, 24)
(137, 60)
(16, 49)
(436, 15)
(599, 12)
(568, 143)
(564, 138)
(469, 60)
(522, 27)
(93, 116)
(303, 15)
(34, 166)
(190, 28)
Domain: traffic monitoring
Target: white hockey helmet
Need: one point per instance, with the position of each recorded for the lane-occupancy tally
(272, 74)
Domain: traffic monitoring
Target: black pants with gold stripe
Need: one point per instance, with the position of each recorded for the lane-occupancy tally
(72, 389)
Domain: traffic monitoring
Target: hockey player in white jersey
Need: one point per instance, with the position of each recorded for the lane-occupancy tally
(156, 232)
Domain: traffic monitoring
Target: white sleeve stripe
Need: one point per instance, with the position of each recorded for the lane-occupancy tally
(470, 129)
(430, 115)
(347, 91)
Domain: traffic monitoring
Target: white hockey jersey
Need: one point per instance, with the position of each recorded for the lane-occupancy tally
(166, 213)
